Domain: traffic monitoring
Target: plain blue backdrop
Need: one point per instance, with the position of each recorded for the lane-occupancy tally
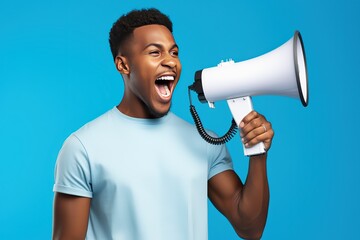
(57, 73)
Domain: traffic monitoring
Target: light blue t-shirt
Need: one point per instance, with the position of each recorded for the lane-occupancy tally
(147, 177)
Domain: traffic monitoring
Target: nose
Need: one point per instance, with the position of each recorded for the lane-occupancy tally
(170, 61)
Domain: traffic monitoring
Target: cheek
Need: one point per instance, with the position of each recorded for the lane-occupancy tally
(145, 70)
(141, 84)
(179, 68)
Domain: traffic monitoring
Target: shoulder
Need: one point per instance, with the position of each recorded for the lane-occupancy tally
(181, 125)
(190, 128)
(96, 126)
(189, 133)
(173, 118)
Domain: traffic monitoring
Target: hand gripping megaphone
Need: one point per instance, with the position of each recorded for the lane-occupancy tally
(279, 72)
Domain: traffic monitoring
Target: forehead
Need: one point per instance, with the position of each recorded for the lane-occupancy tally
(154, 33)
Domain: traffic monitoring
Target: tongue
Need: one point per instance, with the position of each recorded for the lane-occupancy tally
(164, 90)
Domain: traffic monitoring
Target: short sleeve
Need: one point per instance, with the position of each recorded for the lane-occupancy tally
(220, 160)
(72, 169)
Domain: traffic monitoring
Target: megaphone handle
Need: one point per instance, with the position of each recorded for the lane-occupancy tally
(239, 108)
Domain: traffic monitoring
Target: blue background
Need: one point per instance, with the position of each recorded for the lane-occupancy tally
(56, 73)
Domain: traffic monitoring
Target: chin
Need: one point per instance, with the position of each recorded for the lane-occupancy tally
(158, 114)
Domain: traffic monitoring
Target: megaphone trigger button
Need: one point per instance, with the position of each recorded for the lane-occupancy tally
(211, 105)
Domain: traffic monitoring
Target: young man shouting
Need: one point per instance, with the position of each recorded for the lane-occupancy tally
(139, 172)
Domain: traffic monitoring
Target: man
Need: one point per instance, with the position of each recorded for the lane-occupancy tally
(140, 172)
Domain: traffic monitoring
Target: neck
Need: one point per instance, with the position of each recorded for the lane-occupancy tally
(141, 112)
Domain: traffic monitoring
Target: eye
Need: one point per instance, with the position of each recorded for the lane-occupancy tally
(174, 53)
(154, 53)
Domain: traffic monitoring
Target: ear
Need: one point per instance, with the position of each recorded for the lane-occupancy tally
(122, 64)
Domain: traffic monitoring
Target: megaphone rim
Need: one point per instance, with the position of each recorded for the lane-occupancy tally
(297, 36)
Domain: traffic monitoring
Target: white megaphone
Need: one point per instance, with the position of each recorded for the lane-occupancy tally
(279, 72)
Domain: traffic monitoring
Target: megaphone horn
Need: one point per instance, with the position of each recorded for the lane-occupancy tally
(279, 72)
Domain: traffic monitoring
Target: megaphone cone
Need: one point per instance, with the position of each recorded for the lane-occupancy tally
(279, 72)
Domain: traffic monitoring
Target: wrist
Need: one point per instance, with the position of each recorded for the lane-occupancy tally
(261, 157)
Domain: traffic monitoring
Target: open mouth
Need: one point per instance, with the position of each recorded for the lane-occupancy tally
(164, 85)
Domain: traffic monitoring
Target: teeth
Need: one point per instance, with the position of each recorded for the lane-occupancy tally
(163, 87)
(166, 78)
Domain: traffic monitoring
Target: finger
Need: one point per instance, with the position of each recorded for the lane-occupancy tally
(265, 138)
(252, 124)
(263, 133)
(256, 135)
(250, 116)
(260, 130)
(267, 142)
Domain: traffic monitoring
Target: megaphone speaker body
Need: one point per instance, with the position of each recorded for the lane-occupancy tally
(279, 72)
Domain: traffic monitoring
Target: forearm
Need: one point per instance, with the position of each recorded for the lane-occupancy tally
(71, 214)
(253, 200)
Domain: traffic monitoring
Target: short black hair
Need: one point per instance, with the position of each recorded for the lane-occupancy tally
(125, 25)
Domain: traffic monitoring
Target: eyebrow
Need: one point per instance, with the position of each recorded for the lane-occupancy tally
(160, 46)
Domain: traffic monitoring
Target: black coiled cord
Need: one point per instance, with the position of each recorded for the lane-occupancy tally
(213, 140)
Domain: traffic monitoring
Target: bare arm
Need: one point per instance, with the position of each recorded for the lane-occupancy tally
(246, 205)
(71, 214)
